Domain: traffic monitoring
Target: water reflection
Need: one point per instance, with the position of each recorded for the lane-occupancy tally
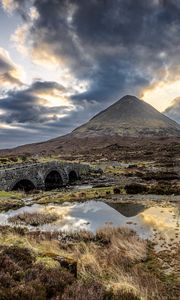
(164, 225)
(128, 209)
(156, 223)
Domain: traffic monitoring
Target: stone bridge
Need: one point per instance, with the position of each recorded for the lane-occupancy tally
(46, 176)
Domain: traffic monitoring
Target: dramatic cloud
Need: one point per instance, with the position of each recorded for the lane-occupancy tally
(100, 50)
(10, 74)
(41, 111)
(173, 111)
(42, 102)
(8, 4)
(117, 45)
(11, 5)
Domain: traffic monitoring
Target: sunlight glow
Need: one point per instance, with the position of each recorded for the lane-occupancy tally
(162, 94)
(55, 99)
(8, 126)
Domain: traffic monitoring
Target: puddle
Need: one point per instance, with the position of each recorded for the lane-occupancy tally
(83, 187)
(158, 224)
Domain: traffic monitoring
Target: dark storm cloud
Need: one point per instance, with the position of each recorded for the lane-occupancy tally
(173, 111)
(45, 86)
(117, 46)
(28, 106)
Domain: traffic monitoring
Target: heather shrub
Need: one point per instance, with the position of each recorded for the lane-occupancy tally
(165, 188)
(116, 190)
(81, 291)
(135, 188)
(21, 278)
(94, 290)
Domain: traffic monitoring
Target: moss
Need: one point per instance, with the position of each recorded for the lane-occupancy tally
(83, 195)
(47, 262)
(12, 195)
(10, 200)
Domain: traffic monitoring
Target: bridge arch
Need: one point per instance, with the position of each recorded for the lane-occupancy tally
(28, 176)
(73, 176)
(53, 180)
(24, 184)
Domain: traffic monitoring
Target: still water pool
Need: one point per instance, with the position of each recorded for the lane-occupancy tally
(160, 224)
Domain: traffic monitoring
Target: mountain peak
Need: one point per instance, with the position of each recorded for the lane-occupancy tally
(129, 97)
(129, 116)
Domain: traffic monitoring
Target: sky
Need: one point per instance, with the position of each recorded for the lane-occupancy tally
(62, 61)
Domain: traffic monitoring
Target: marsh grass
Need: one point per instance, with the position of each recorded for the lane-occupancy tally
(34, 219)
(10, 203)
(22, 277)
(10, 200)
(112, 264)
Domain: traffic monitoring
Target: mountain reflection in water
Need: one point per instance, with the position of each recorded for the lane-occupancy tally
(128, 209)
(156, 223)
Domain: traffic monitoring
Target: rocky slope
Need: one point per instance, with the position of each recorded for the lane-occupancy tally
(131, 117)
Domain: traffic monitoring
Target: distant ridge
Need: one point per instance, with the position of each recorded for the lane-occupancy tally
(130, 117)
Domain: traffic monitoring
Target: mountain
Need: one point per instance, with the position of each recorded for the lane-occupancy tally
(173, 111)
(127, 122)
(131, 117)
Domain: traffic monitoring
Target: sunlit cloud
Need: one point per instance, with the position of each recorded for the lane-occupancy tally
(1, 112)
(15, 5)
(51, 66)
(52, 94)
(8, 5)
(8, 126)
(10, 73)
(33, 13)
(56, 100)
(40, 103)
(42, 56)
(19, 38)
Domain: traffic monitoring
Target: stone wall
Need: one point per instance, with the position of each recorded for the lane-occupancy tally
(37, 173)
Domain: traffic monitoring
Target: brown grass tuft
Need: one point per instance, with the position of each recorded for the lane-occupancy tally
(34, 219)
